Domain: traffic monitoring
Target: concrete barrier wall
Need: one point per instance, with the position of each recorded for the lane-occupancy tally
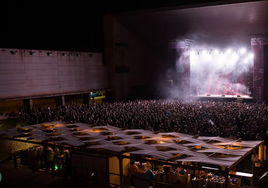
(140, 59)
(25, 74)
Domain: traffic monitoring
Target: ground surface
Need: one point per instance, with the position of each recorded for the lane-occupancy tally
(24, 177)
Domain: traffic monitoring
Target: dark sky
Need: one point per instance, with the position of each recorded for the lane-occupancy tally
(67, 26)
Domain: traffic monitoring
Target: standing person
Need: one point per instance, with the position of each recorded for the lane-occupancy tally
(132, 169)
(254, 158)
(150, 172)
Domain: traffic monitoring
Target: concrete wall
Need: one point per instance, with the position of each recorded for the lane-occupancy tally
(25, 75)
(141, 60)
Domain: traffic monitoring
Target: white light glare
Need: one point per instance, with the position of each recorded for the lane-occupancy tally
(229, 51)
(204, 52)
(245, 60)
(242, 50)
(216, 52)
(234, 57)
(251, 55)
(243, 174)
(192, 52)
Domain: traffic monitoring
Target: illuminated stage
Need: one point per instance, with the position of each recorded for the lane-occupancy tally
(220, 71)
(224, 98)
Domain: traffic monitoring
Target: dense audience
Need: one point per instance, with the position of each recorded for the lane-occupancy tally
(206, 118)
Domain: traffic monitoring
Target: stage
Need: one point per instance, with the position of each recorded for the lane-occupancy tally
(227, 98)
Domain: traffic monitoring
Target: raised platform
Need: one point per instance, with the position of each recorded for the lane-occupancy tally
(228, 98)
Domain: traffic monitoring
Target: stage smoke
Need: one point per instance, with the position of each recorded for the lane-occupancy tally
(213, 69)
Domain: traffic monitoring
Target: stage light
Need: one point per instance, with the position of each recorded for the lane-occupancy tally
(251, 55)
(192, 52)
(216, 52)
(245, 60)
(242, 50)
(204, 52)
(229, 51)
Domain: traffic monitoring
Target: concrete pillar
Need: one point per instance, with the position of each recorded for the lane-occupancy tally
(28, 103)
(63, 100)
(226, 178)
(264, 152)
(86, 98)
(121, 170)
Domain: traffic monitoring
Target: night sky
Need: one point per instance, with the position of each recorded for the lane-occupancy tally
(68, 26)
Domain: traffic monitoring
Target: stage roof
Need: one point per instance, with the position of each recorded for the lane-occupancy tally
(221, 26)
(170, 146)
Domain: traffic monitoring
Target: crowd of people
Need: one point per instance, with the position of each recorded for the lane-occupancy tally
(248, 121)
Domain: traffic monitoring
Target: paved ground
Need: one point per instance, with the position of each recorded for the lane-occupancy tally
(24, 177)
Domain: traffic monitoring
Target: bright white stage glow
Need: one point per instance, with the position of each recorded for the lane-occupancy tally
(223, 66)
(216, 52)
(251, 55)
(234, 58)
(192, 52)
(242, 50)
(207, 57)
(228, 51)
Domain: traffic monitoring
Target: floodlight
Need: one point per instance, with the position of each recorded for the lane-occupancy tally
(216, 52)
(192, 52)
(228, 51)
(242, 50)
(251, 55)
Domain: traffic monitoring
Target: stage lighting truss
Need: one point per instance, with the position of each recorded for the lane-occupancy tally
(244, 54)
(188, 42)
(258, 39)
